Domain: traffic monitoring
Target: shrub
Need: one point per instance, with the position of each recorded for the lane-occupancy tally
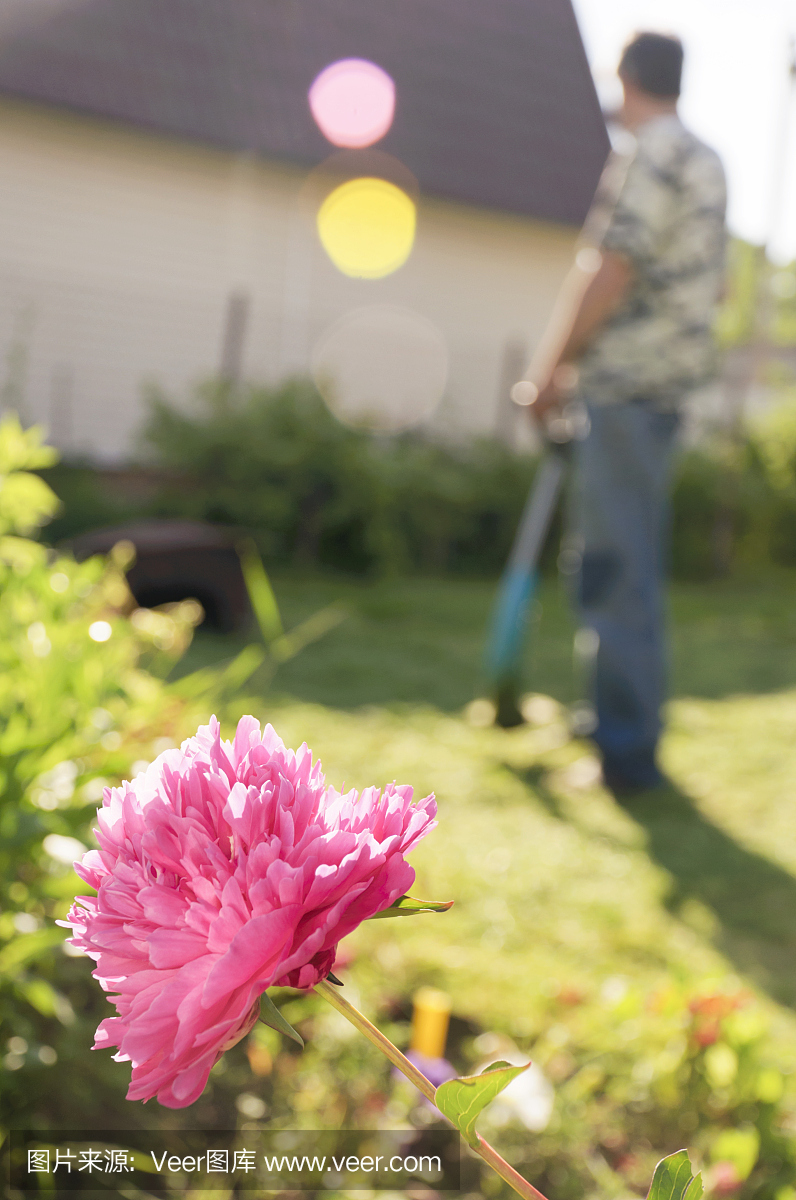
(317, 492)
(85, 503)
(81, 699)
(640, 1076)
(701, 514)
(635, 1077)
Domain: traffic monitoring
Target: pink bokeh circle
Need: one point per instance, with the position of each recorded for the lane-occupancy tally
(353, 102)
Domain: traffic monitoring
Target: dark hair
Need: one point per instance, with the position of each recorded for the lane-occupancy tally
(654, 63)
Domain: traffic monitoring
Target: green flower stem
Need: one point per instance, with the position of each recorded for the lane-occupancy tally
(332, 994)
(512, 1177)
(366, 1027)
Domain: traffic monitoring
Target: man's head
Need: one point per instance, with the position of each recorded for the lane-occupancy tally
(650, 71)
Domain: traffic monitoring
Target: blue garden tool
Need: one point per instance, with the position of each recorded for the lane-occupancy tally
(520, 580)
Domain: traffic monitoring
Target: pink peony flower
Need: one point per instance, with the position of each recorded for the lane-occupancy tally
(223, 869)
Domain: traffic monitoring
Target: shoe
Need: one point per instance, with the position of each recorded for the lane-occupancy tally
(625, 788)
(631, 774)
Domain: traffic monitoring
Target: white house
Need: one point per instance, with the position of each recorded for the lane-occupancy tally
(160, 175)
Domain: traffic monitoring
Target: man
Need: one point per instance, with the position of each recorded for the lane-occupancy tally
(640, 340)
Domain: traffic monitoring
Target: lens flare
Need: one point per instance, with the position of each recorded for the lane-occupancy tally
(367, 227)
(353, 102)
(381, 367)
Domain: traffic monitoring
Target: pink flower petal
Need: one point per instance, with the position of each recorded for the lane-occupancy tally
(222, 869)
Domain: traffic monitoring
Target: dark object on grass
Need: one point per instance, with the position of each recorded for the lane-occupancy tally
(179, 560)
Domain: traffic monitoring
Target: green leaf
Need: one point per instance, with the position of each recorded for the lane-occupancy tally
(26, 502)
(408, 906)
(22, 554)
(196, 684)
(261, 594)
(26, 947)
(673, 1180)
(241, 668)
(46, 1000)
(223, 679)
(22, 449)
(270, 1015)
(461, 1100)
(320, 623)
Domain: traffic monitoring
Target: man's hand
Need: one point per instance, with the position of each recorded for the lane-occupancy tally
(548, 399)
(555, 393)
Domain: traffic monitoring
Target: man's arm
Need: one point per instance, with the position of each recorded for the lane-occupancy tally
(601, 297)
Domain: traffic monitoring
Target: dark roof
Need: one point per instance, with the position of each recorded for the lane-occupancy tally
(495, 102)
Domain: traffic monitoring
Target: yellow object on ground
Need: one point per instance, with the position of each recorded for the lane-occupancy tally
(430, 1017)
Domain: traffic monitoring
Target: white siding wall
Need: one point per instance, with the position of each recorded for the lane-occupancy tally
(119, 251)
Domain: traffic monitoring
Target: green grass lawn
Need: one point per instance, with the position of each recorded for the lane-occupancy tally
(383, 696)
(421, 641)
(560, 891)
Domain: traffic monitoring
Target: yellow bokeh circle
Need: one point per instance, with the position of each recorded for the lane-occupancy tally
(367, 227)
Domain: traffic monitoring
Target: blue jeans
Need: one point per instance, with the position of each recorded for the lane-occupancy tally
(620, 522)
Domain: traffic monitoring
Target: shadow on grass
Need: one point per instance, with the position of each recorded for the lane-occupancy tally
(535, 778)
(753, 899)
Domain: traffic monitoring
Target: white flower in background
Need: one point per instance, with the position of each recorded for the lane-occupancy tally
(529, 1098)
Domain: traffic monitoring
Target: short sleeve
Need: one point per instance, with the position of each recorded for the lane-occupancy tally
(642, 213)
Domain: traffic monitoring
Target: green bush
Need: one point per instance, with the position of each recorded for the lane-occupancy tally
(638, 1076)
(85, 504)
(634, 1077)
(725, 512)
(317, 492)
(82, 699)
(699, 502)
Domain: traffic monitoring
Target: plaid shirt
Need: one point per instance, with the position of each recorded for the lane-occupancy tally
(669, 222)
